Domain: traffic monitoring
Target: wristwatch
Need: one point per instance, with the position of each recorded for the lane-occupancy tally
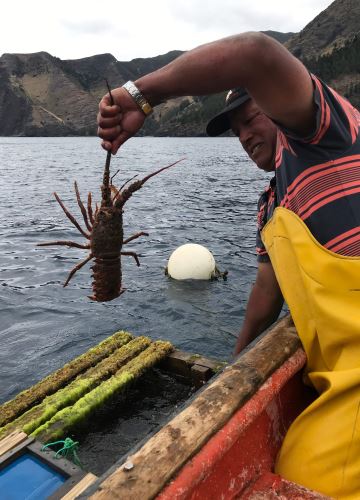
(140, 100)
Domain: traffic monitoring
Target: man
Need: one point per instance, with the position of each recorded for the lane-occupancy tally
(309, 222)
(258, 135)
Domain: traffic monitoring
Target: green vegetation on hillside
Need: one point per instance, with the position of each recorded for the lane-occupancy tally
(342, 61)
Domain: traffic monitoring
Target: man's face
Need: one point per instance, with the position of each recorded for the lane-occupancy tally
(257, 134)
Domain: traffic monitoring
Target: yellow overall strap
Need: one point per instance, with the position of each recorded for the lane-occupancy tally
(322, 289)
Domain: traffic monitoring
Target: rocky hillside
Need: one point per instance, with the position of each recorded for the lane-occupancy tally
(41, 95)
(330, 46)
(331, 29)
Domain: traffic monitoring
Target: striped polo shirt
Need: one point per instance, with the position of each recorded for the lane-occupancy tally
(318, 177)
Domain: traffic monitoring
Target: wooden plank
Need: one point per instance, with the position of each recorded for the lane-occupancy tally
(12, 440)
(178, 363)
(80, 487)
(168, 450)
(181, 363)
(200, 375)
(212, 364)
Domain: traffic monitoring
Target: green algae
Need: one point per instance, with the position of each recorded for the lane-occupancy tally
(64, 420)
(194, 357)
(84, 383)
(50, 384)
(220, 365)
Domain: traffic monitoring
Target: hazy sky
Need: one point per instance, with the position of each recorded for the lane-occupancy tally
(72, 29)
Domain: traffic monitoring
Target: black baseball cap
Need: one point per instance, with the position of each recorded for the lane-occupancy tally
(221, 123)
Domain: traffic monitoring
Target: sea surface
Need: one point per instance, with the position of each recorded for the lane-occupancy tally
(210, 198)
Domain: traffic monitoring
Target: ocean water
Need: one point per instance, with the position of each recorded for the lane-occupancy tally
(210, 198)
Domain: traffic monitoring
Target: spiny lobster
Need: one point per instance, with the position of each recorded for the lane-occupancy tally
(105, 234)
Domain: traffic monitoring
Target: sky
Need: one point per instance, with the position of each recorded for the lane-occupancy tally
(72, 29)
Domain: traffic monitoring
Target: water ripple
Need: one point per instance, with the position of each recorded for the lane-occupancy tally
(209, 199)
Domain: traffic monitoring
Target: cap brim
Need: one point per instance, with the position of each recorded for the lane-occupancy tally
(221, 123)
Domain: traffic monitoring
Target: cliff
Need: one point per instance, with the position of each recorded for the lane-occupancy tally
(42, 95)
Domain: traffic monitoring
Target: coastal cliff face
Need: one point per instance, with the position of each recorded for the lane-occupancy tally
(328, 31)
(42, 95)
(330, 46)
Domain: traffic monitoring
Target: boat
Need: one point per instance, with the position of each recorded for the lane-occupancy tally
(223, 442)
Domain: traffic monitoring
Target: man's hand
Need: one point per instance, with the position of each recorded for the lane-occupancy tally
(117, 123)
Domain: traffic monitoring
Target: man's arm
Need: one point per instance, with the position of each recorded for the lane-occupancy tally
(279, 83)
(263, 307)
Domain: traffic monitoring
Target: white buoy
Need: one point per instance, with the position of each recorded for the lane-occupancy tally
(191, 261)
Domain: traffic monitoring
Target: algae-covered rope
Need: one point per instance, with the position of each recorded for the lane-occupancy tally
(67, 451)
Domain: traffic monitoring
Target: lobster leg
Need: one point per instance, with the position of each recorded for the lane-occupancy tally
(132, 254)
(71, 217)
(90, 210)
(77, 267)
(134, 236)
(82, 208)
(65, 243)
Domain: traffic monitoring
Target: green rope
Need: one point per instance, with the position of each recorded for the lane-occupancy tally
(68, 450)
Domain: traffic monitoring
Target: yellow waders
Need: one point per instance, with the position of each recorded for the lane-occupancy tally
(322, 289)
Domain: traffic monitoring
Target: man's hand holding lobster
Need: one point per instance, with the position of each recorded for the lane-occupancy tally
(117, 123)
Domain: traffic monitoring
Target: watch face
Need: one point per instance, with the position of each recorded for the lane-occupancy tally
(147, 108)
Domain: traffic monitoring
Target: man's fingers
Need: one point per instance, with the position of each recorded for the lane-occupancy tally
(109, 122)
(116, 124)
(106, 110)
(123, 136)
(114, 145)
(106, 145)
(109, 134)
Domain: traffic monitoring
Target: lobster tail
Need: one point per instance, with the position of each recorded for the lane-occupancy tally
(107, 279)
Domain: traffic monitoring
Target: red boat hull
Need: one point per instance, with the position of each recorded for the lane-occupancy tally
(237, 461)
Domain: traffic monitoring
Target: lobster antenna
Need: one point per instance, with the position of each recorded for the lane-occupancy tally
(160, 170)
(106, 191)
(131, 178)
(114, 176)
(135, 186)
(118, 194)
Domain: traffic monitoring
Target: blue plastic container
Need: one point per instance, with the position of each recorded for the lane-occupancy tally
(28, 478)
